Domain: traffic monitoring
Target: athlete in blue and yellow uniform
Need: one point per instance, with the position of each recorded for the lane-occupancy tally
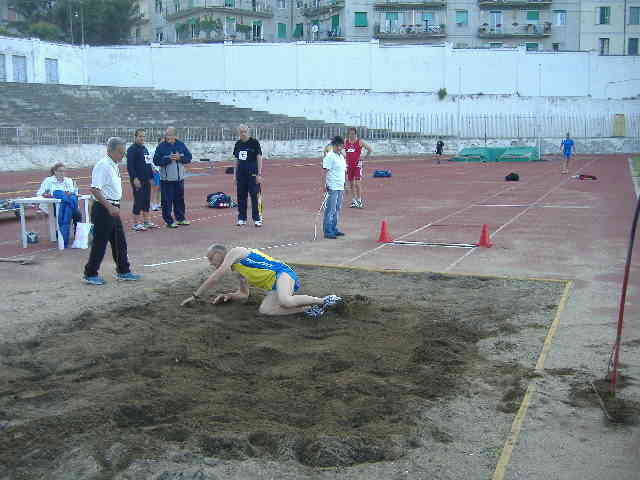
(259, 270)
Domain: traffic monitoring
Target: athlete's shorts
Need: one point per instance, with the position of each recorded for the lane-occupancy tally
(567, 155)
(354, 171)
(156, 179)
(292, 274)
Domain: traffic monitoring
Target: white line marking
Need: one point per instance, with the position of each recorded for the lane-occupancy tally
(440, 220)
(533, 205)
(504, 225)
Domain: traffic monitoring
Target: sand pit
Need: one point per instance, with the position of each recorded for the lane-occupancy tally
(161, 392)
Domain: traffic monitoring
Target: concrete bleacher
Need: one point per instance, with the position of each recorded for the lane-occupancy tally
(73, 106)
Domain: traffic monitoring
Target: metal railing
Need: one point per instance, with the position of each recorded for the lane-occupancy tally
(372, 126)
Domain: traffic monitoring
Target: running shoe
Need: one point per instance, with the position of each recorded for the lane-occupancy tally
(139, 227)
(360, 203)
(130, 277)
(354, 203)
(172, 225)
(183, 222)
(258, 223)
(331, 300)
(241, 222)
(94, 280)
(314, 311)
(155, 208)
(150, 225)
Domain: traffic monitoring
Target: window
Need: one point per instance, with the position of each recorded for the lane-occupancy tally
(531, 46)
(634, 15)
(299, 4)
(229, 25)
(282, 30)
(158, 6)
(195, 31)
(462, 18)
(428, 18)
(230, 3)
(603, 46)
(282, 3)
(298, 31)
(335, 24)
(603, 15)
(19, 68)
(137, 34)
(495, 45)
(633, 46)
(533, 16)
(556, 47)
(560, 17)
(159, 35)
(361, 19)
(257, 30)
(3, 71)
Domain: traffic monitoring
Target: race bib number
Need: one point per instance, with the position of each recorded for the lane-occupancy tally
(351, 150)
(147, 159)
(242, 155)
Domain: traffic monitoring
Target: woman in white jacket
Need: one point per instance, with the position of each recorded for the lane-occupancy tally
(57, 181)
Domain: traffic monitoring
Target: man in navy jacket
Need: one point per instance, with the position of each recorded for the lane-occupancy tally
(140, 175)
(171, 156)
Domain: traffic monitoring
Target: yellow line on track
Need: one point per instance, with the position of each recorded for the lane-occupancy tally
(516, 426)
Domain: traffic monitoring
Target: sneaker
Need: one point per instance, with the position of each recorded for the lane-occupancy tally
(241, 222)
(155, 208)
(94, 280)
(139, 227)
(354, 203)
(339, 234)
(150, 225)
(258, 223)
(333, 237)
(172, 225)
(360, 203)
(331, 300)
(131, 277)
(314, 312)
(183, 222)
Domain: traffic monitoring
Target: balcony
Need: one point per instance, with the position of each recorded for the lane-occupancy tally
(319, 7)
(408, 32)
(514, 3)
(251, 8)
(515, 31)
(326, 36)
(392, 5)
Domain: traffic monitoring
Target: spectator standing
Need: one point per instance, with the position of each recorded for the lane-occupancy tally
(335, 167)
(139, 166)
(439, 147)
(106, 188)
(248, 175)
(171, 156)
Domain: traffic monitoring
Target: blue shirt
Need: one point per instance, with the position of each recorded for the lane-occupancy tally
(567, 146)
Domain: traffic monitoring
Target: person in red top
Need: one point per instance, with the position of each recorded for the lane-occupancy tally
(353, 149)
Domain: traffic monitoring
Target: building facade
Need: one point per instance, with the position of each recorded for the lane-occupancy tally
(612, 27)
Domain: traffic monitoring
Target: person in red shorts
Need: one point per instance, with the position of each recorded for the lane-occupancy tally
(353, 149)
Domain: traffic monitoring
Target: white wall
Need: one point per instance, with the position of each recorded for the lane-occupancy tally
(71, 59)
(337, 66)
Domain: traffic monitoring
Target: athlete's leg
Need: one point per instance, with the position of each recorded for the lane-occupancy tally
(282, 301)
(565, 164)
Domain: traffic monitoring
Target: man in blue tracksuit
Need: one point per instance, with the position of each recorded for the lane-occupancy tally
(171, 155)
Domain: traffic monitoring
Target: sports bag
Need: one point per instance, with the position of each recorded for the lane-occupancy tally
(512, 177)
(382, 173)
(219, 200)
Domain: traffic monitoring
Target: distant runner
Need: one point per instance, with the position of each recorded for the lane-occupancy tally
(439, 147)
(568, 149)
(257, 269)
(353, 149)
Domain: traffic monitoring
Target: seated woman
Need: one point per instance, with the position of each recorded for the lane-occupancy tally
(58, 182)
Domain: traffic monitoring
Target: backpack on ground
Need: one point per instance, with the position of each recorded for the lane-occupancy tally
(219, 200)
(512, 177)
(382, 173)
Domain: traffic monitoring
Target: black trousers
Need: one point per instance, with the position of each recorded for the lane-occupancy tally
(106, 229)
(246, 185)
(141, 197)
(172, 198)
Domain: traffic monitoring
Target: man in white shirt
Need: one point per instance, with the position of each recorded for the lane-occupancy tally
(106, 188)
(335, 167)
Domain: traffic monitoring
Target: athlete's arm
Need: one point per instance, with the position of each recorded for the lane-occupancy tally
(232, 256)
(366, 146)
(241, 294)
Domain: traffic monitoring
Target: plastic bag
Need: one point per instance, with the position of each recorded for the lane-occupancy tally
(82, 235)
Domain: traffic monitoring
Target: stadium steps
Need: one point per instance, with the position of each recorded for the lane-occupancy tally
(73, 106)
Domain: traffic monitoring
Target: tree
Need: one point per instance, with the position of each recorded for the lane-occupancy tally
(31, 10)
(209, 25)
(45, 31)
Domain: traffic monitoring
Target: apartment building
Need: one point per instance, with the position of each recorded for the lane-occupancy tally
(611, 27)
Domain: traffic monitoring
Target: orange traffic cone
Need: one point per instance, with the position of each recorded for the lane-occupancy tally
(484, 237)
(384, 233)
